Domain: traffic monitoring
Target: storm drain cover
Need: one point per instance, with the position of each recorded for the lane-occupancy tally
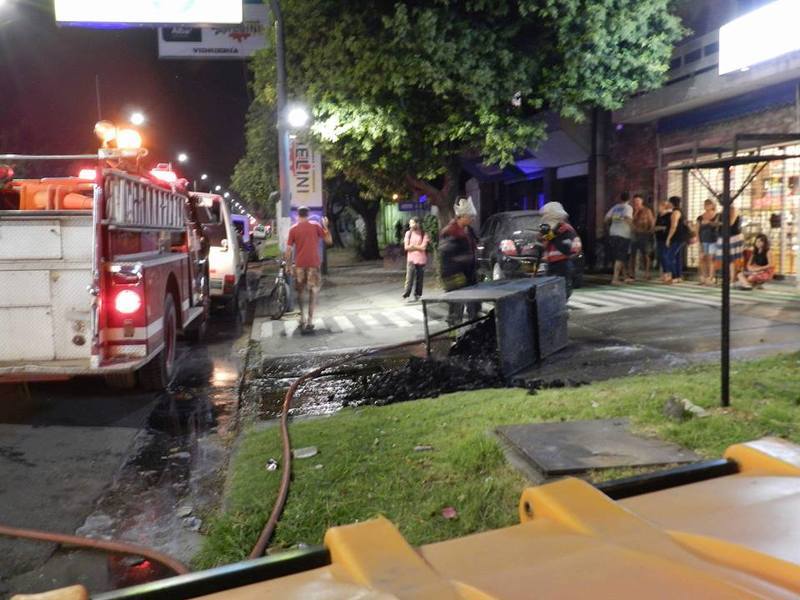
(576, 446)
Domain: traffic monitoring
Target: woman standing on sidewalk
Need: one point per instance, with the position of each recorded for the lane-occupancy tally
(661, 230)
(708, 225)
(416, 246)
(677, 236)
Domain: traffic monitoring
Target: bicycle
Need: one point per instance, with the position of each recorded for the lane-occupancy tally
(280, 297)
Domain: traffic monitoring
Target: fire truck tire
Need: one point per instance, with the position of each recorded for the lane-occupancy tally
(232, 306)
(157, 374)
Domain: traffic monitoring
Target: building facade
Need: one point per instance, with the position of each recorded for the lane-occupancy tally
(698, 112)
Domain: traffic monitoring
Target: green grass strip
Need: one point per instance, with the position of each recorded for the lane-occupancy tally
(367, 464)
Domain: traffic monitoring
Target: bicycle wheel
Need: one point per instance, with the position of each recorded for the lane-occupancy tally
(279, 301)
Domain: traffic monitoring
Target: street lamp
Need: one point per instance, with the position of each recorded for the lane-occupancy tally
(137, 118)
(297, 117)
(227, 195)
(183, 157)
(203, 177)
(217, 188)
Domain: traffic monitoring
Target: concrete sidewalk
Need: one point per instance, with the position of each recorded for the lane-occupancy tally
(360, 306)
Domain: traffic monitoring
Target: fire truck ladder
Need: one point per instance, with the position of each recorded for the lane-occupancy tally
(136, 204)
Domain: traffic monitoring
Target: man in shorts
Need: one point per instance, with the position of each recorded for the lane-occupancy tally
(304, 239)
(643, 225)
(620, 218)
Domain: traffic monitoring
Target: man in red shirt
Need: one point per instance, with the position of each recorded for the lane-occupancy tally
(304, 238)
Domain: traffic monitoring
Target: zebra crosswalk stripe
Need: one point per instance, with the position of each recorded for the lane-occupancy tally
(344, 323)
(369, 320)
(578, 304)
(696, 298)
(410, 313)
(396, 319)
(671, 296)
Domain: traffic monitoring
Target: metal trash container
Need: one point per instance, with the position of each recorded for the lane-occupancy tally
(530, 318)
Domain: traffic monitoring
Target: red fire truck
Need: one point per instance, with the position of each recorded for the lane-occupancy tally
(99, 273)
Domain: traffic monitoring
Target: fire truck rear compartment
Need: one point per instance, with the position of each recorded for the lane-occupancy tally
(45, 270)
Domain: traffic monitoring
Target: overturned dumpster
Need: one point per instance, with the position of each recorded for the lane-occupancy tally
(530, 318)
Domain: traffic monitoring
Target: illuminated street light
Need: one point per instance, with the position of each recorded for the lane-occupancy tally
(297, 117)
(183, 157)
(137, 118)
(203, 177)
(217, 188)
(227, 194)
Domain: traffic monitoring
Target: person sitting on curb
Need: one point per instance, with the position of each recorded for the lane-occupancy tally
(759, 270)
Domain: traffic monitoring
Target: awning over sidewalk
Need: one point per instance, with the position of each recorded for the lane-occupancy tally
(559, 151)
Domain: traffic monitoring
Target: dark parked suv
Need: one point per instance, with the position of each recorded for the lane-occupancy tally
(507, 247)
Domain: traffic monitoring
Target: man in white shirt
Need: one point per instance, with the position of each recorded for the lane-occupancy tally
(620, 218)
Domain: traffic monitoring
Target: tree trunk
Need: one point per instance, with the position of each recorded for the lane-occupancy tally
(369, 212)
(443, 199)
(371, 250)
(333, 217)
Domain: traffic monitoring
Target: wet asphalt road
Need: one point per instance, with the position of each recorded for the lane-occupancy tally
(124, 465)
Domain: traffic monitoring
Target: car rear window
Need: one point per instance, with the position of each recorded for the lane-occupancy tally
(523, 223)
(215, 232)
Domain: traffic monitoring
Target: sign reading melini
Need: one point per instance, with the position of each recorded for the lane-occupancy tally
(305, 182)
(758, 36)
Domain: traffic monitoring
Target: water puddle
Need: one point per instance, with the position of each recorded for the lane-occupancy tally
(176, 474)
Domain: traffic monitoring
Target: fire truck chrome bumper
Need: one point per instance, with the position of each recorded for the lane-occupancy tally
(71, 368)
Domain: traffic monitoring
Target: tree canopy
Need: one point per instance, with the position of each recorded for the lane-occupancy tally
(256, 173)
(400, 91)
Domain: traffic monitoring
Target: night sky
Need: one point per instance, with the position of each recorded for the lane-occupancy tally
(48, 102)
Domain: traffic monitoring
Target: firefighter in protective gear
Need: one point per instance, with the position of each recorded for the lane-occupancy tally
(560, 243)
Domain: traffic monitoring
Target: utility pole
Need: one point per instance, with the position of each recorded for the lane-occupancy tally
(283, 134)
(99, 101)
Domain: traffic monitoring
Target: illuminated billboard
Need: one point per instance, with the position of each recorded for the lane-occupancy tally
(758, 36)
(237, 41)
(145, 12)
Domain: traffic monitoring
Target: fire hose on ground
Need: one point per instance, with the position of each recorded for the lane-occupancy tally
(174, 565)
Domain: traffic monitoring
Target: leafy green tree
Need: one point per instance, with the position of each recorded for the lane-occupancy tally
(256, 174)
(401, 91)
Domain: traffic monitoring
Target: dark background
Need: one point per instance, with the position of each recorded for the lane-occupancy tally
(48, 102)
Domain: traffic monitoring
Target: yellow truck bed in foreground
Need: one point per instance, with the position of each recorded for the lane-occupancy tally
(735, 535)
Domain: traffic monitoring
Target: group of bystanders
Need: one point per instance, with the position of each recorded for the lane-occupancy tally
(632, 227)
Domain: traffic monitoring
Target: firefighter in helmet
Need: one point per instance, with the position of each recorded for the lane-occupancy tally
(560, 242)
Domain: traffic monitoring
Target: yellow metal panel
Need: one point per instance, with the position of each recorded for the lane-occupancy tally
(773, 456)
(375, 555)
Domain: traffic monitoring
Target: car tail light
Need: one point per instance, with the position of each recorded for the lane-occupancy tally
(127, 302)
(508, 247)
(230, 280)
